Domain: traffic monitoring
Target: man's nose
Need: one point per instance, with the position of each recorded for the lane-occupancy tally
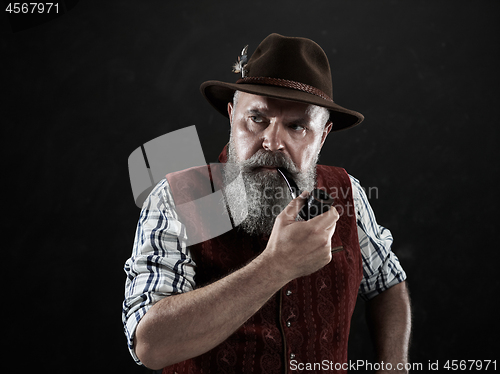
(273, 138)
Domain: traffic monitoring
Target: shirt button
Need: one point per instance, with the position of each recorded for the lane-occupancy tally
(288, 293)
(292, 356)
(288, 324)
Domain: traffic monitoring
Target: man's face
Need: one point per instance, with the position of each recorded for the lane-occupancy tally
(296, 130)
(265, 134)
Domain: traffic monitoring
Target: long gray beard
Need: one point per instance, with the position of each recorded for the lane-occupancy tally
(256, 197)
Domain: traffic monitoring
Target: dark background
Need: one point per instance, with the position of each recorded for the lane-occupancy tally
(80, 92)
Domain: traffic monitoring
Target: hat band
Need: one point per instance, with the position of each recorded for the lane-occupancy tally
(285, 83)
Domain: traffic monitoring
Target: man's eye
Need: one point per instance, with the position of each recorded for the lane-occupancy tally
(297, 127)
(256, 119)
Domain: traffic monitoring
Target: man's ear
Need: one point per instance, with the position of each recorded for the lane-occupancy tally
(230, 112)
(326, 131)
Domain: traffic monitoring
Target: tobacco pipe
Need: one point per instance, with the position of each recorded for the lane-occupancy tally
(317, 203)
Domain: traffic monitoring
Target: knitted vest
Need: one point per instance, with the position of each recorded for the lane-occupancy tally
(308, 320)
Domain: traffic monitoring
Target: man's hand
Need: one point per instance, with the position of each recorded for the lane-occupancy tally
(298, 248)
(186, 325)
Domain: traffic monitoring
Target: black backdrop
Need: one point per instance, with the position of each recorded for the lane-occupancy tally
(82, 91)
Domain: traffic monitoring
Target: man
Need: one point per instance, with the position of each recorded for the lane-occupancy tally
(276, 293)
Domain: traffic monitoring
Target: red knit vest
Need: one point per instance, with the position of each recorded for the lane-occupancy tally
(307, 322)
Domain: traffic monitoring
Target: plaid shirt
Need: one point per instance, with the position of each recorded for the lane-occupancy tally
(161, 264)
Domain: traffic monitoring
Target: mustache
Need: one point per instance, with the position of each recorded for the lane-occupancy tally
(263, 158)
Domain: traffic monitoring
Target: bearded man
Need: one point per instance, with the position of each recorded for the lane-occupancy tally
(275, 294)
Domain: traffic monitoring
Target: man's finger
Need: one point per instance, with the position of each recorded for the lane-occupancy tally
(328, 219)
(293, 208)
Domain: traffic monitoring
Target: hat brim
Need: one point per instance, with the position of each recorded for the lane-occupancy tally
(219, 94)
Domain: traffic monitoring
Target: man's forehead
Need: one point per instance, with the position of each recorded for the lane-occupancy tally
(270, 105)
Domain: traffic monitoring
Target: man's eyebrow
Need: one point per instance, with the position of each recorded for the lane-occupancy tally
(255, 112)
(300, 120)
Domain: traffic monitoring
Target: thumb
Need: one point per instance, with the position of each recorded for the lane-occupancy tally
(293, 208)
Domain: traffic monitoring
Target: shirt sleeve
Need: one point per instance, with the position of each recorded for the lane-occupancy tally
(160, 264)
(381, 267)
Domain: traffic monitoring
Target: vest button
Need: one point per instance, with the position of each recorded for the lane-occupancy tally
(288, 324)
(288, 293)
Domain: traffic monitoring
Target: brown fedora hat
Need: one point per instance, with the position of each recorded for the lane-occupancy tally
(287, 68)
